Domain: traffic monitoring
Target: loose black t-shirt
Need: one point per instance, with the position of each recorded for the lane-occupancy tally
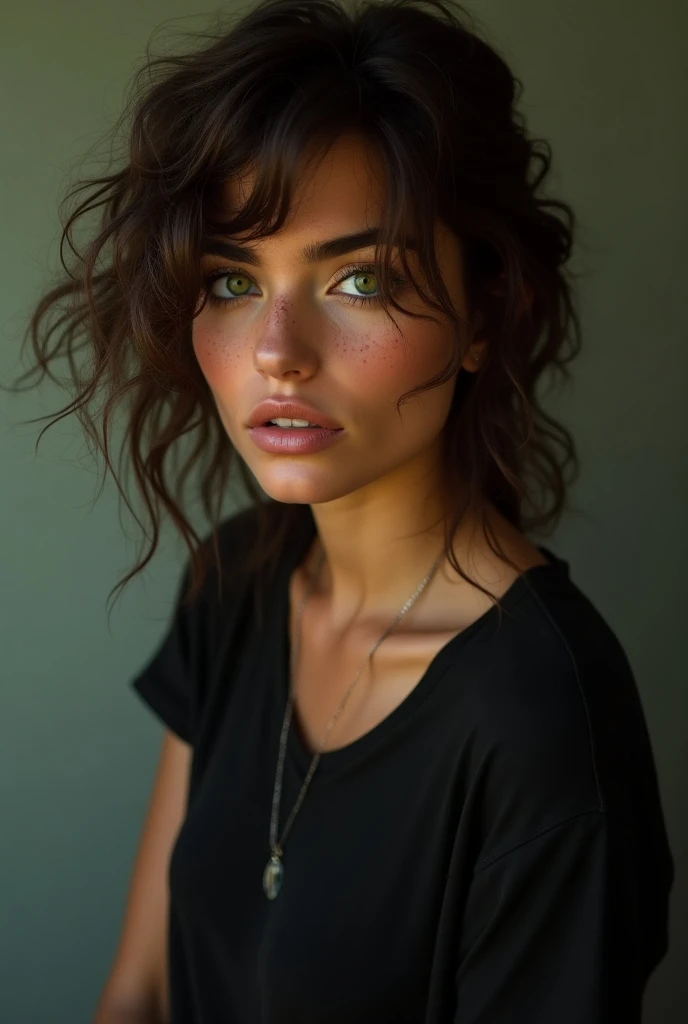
(492, 852)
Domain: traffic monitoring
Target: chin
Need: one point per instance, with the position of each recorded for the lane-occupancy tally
(304, 486)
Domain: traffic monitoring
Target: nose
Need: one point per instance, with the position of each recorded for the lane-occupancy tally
(284, 345)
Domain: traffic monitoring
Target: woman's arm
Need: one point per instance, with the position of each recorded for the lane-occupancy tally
(124, 1015)
(561, 928)
(136, 988)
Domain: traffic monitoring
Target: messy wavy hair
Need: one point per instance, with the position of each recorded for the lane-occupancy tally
(415, 79)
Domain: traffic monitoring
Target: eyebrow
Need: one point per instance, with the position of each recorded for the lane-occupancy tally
(315, 252)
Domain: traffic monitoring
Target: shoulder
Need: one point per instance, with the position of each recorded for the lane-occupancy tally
(559, 726)
(553, 648)
(200, 614)
(240, 558)
(237, 532)
(224, 550)
(278, 527)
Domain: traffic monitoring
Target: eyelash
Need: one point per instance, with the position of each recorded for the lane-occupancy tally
(365, 268)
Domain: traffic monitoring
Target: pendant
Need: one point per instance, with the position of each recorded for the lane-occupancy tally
(272, 877)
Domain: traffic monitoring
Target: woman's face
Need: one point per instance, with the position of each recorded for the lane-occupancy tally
(289, 327)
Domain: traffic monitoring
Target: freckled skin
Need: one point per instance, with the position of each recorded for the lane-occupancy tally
(349, 359)
(297, 334)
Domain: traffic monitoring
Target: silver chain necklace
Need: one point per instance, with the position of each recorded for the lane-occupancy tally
(273, 874)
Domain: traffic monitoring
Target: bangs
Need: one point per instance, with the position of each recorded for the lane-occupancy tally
(405, 227)
(279, 117)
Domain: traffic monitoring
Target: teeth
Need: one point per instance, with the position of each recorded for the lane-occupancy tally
(292, 423)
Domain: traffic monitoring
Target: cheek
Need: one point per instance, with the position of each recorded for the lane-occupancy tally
(218, 360)
(385, 361)
(380, 359)
(381, 366)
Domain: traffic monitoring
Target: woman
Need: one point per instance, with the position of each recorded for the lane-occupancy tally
(406, 775)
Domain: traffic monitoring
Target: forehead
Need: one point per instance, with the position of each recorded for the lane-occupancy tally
(343, 188)
(338, 193)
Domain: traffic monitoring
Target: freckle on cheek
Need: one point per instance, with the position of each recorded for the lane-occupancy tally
(386, 352)
(213, 352)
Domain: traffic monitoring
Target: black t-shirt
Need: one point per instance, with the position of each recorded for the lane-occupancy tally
(493, 852)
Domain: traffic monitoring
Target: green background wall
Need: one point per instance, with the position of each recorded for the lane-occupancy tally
(606, 82)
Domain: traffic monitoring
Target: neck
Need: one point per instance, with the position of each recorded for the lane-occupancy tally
(378, 547)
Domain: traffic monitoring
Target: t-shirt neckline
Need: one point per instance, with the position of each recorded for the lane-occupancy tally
(358, 749)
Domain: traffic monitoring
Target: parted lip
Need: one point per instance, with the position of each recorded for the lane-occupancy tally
(289, 408)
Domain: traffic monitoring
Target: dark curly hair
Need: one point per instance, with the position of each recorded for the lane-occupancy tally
(414, 78)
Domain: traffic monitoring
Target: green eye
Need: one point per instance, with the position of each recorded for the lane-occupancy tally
(362, 278)
(243, 282)
(363, 281)
(232, 293)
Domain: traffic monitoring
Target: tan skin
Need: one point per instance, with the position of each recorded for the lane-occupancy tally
(369, 494)
(376, 493)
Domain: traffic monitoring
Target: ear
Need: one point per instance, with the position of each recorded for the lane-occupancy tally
(474, 356)
(476, 352)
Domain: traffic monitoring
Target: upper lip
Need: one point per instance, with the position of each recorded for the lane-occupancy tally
(281, 407)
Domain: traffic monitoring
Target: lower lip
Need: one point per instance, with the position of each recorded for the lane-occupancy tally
(294, 440)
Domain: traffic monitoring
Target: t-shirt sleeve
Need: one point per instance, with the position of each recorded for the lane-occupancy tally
(167, 681)
(551, 931)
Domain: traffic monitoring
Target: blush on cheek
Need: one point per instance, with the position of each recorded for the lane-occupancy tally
(214, 356)
(399, 361)
(378, 352)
